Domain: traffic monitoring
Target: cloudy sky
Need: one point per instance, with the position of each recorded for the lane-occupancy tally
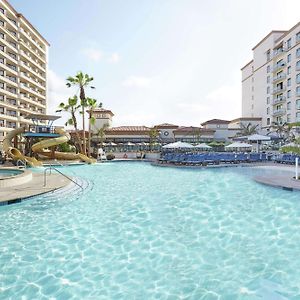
(155, 61)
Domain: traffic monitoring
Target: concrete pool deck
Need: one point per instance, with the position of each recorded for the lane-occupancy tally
(32, 188)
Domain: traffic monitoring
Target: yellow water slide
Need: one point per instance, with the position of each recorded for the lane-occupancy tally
(63, 138)
(40, 148)
(14, 153)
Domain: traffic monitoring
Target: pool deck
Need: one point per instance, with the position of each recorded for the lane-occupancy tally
(32, 188)
(280, 181)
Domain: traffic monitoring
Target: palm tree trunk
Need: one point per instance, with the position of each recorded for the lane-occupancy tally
(76, 132)
(82, 98)
(89, 137)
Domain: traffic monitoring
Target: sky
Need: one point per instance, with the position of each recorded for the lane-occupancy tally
(156, 61)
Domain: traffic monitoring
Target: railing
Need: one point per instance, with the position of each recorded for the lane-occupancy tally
(278, 90)
(19, 161)
(52, 168)
(278, 66)
(279, 100)
(280, 111)
(279, 77)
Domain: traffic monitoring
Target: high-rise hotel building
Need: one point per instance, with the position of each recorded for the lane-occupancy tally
(271, 80)
(23, 70)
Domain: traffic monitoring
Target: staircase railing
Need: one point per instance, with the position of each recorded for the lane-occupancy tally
(52, 168)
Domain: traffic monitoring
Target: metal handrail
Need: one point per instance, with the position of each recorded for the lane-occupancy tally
(22, 162)
(52, 168)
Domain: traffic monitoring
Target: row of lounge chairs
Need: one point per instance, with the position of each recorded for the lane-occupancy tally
(212, 158)
(286, 158)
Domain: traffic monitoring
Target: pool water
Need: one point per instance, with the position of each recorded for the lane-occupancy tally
(8, 173)
(145, 232)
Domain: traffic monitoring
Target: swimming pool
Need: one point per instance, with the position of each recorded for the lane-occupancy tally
(144, 232)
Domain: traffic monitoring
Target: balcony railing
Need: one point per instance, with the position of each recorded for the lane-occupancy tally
(278, 66)
(279, 77)
(278, 112)
(278, 90)
(278, 52)
(278, 100)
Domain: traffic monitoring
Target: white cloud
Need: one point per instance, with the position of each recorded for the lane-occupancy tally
(93, 54)
(114, 58)
(137, 81)
(57, 92)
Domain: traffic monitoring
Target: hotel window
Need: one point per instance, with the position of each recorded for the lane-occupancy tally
(289, 70)
(298, 116)
(289, 82)
(289, 93)
(298, 104)
(289, 58)
(2, 35)
(298, 65)
(298, 52)
(268, 110)
(268, 90)
(1, 97)
(288, 106)
(1, 85)
(268, 79)
(288, 118)
(298, 37)
(1, 73)
(289, 43)
(268, 100)
(268, 55)
(298, 78)
(2, 23)
(2, 10)
(268, 69)
(298, 90)
(268, 121)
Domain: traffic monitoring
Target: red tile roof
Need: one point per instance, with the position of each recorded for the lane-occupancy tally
(128, 128)
(166, 125)
(215, 121)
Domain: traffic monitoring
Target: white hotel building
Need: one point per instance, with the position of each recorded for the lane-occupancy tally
(23, 70)
(271, 80)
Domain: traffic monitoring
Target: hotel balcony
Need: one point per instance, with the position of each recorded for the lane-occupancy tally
(278, 52)
(278, 67)
(279, 112)
(278, 90)
(279, 100)
(279, 77)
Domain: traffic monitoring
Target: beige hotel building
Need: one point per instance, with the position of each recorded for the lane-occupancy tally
(23, 70)
(271, 80)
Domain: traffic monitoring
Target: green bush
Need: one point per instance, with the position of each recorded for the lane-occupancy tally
(290, 149)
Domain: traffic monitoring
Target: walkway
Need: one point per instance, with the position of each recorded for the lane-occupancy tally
(32, 188)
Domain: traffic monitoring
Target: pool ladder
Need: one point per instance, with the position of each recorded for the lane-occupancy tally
(52, 168)
(21, 163)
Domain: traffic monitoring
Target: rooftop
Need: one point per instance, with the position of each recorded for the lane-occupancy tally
(215, 121)
(128, 128)
(42, 117)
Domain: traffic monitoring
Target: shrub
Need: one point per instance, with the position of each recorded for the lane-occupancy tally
(290, 149)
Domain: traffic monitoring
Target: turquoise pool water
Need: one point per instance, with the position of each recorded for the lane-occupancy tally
(144, 232)
(8, 173)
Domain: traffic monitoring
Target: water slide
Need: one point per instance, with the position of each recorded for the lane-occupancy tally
(63, 138)
(39, 148)
(14, 153)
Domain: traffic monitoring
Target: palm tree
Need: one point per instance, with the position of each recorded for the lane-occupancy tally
(91, 105)
(71, 107)
(248, 129)
(81, 81)
(153, 134)
(100, 133)
(284, 131)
